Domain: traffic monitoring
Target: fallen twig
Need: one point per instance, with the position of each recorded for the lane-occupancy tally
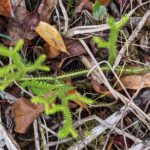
(8, 140)
(36, 135)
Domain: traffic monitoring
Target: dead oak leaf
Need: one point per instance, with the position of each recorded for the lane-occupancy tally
(25, 113)
(100, 88)
(135, 82)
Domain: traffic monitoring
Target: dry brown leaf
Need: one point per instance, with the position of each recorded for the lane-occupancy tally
(51, 36)
(74, 91)
(135, 82)
(74, 47)
(50, 51)
(24, 113)
(119, 141)
(100, 88)
(16, 28)
(5, 8)
(84, 4)
(15, 31)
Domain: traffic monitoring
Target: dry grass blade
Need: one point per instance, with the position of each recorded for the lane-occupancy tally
(128, 102)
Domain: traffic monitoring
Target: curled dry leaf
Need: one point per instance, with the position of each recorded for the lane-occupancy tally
(5, 8)
(74, 48)
(24, 113)
(100, 88)
(135, 82)
(51, 36)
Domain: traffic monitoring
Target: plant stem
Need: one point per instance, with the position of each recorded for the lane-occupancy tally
(131, 70)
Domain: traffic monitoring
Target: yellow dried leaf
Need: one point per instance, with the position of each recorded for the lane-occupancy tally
(51, 36)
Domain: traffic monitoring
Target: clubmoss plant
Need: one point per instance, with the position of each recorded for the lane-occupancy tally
(45, 93)
(111, 44)
(18, 69)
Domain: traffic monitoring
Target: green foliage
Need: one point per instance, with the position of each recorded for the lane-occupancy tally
(78, 73)
(48, 93)
(45, 93)
(70, 5)
(19, 68)
(98, 10)
(111, 44)
(61, 77)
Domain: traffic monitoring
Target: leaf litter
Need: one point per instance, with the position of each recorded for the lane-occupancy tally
(41, 24)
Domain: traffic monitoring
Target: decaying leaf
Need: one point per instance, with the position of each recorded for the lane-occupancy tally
(5, 8)
(84, 4)
(135, 82)
(16, 27)
(51, 36)
(100, 88)
(119, 141)
(74, 91)
(15, 31)
(24, 114)
(49, 6)
(104, 2)
(74, 47)
(50, 51)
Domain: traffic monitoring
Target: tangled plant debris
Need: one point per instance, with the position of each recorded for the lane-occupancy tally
(74, 74)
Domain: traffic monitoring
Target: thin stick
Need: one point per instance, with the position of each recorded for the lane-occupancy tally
(44, 142)
(65, 16)
(9, 141)
(137, 147)
(36, 135)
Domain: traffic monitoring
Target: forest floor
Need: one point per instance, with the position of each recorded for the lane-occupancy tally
(74, 74)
